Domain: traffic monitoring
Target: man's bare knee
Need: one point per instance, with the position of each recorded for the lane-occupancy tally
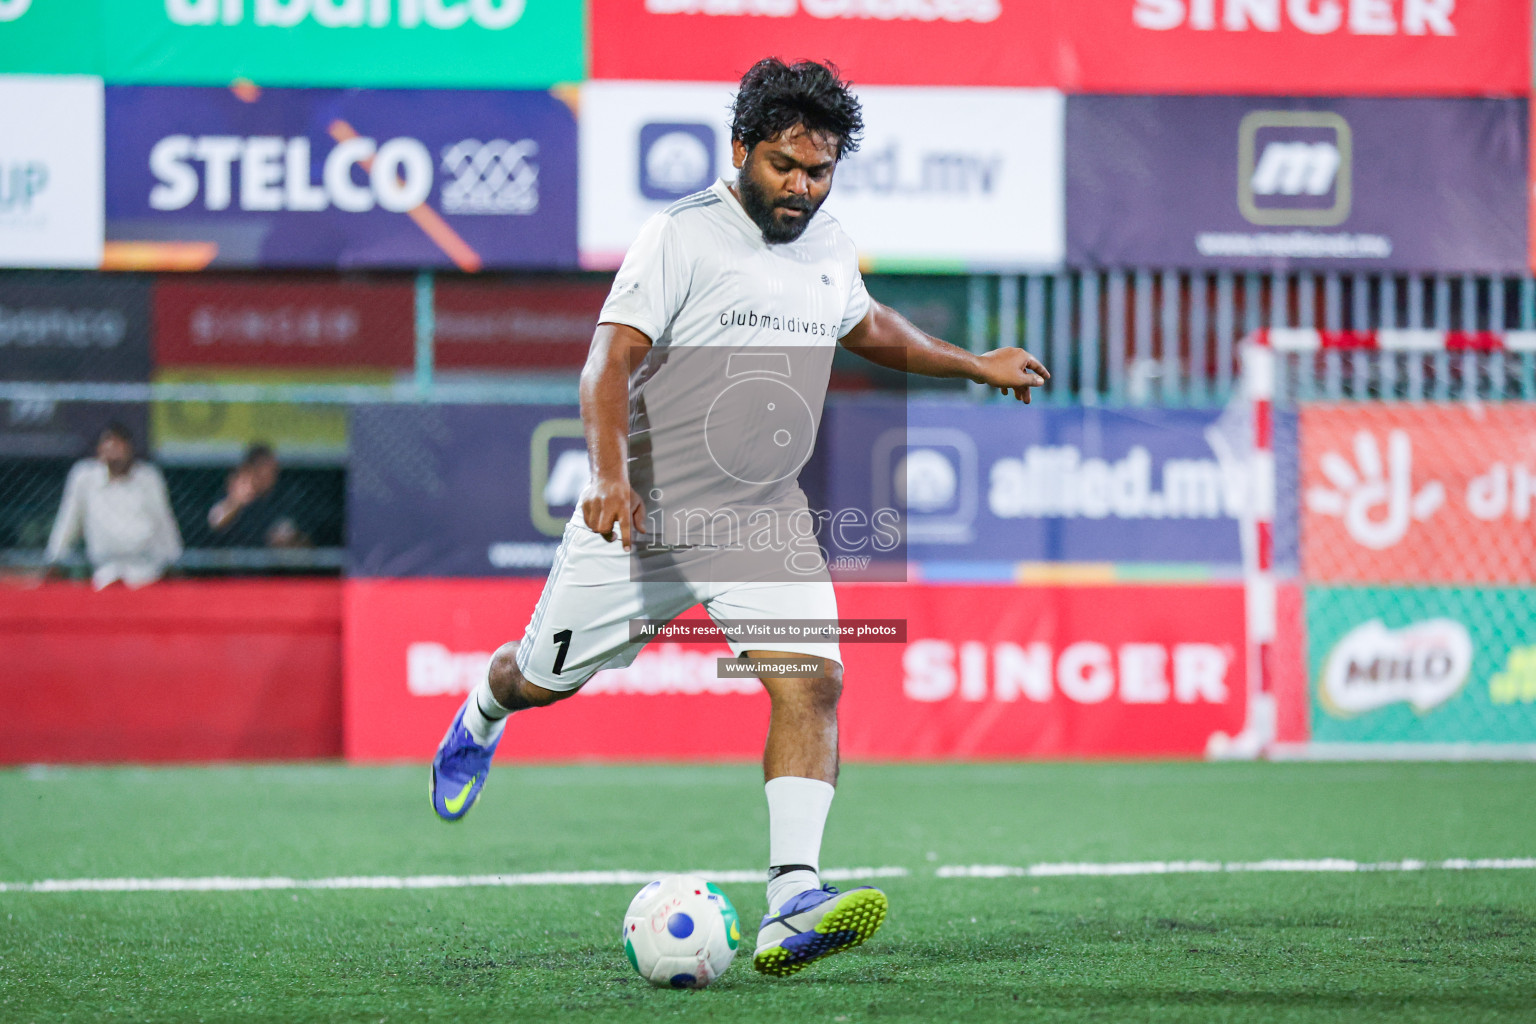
(818, 694)
(512, 690)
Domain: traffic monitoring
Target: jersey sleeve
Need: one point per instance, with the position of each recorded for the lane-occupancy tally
(857, 306)
(652, 281)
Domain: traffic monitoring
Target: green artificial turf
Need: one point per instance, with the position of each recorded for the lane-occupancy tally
(1416, 946)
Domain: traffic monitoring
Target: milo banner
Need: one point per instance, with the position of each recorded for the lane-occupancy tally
(250, 177)
(1443, 665)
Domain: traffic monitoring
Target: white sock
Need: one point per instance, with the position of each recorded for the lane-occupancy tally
(484, 717)
(797, 814)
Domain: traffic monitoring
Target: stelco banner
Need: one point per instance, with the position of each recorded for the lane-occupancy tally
(494, 43)
(1422, 665)
(50, 171)
(983, 672)
(945, 178)
(1003, 483)
(314, 178)
(1289, 47)
(1341, 184)
(1418, 493)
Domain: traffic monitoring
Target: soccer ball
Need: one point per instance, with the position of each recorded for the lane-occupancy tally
(681, 932)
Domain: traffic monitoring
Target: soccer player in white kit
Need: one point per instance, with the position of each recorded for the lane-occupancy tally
(744, 265)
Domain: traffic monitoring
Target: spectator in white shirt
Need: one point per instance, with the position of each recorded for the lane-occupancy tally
(122, 508)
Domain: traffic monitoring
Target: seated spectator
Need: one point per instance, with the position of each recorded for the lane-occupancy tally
(256, 511)
(121, 507)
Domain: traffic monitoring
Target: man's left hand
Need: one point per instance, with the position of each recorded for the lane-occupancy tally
(1011, 369)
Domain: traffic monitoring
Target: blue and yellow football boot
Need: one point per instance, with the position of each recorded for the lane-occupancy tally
(459, 769)
(815, 924)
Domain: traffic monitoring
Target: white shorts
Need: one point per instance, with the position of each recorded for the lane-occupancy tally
(582, 621)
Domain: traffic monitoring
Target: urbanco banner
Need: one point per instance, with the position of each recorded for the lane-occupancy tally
(376, 43)
(1418, 493)
(1437, 665)
(344, 178)
(945, 179)
(1005, 483)
(50, 37)
(1267, 184)
(50, 171)
(982, 672)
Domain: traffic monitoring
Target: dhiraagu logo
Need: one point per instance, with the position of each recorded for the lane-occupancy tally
(438, 14)
(10, 10)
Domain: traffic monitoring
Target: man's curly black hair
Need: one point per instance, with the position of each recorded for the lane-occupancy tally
(776, 96)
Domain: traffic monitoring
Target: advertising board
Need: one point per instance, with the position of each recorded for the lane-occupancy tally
(961, 42)
(1269, 183)
(1297, 47)
(467, 43)
(1422, 665)
(1418, 493)
(215, 320)
(461, 490)
(1006, 483)
(945, 178)
(78, 327)
(983, 672)
(515, 323)
(49, 37)
(345, 178)
(50, 171)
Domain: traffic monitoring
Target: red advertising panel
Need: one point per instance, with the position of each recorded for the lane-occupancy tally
(1418, 493)
(1276, 47)
(528, 324)
(1297, 47)
(204, 670)
(874, 42)
(985, 672)
(283, 322)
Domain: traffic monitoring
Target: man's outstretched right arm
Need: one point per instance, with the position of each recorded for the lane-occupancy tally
(608, 499)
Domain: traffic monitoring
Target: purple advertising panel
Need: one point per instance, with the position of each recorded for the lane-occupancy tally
(987, 487)
(1271, 183)
(248, 177)
(456, 490)
(488, 490)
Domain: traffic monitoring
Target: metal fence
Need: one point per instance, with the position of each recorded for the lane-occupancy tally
(1171, 337)
(1110, 337)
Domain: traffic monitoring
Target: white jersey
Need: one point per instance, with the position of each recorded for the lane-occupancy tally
(725, 409)
(700, 273)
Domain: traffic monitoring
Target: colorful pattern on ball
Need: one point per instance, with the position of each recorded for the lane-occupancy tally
(680, 932)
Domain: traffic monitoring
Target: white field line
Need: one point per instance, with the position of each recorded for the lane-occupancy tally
(1198, 867)
(546, 878)
(221, 883)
